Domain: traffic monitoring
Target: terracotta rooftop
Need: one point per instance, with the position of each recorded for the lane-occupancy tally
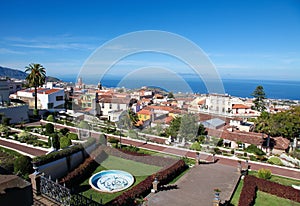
(249, 138)
(144, 111)
(240, 106)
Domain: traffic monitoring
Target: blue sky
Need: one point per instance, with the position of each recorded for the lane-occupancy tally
(255, 39)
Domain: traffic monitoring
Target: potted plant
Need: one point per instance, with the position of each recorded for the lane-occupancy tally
(217, 193)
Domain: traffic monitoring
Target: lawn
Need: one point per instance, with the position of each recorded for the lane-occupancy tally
(139, 170)
(278, 179)
(7, 158)
(265, 199)
(237, 194)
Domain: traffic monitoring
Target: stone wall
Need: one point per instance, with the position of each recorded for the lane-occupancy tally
(60, 168)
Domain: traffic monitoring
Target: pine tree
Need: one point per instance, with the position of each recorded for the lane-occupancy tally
(259, 95)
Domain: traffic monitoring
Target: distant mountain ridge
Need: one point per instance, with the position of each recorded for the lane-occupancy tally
(17, 74)
(12, 73)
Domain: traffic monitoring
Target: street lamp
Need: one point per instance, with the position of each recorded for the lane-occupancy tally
(120, 138)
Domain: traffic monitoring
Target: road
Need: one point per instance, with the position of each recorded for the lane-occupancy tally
(286, 172)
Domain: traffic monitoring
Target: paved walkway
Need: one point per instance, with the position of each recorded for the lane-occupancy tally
(27, 150)
(286, 172)
(197, 186)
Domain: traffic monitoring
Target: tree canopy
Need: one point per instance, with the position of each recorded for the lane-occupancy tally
(186, 127)
(286, 124)
(259, 95)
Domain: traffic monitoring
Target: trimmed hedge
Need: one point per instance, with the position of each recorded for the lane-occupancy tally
(252, 184)
(84, 170)
(44, 159)
(248, 194)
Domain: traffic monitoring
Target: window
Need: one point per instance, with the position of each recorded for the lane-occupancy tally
(59, 98)
(50, 105)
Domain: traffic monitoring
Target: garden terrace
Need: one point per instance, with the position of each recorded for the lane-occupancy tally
(143, 168)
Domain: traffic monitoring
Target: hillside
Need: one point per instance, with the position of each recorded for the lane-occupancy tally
(17, 74)
(12, 73)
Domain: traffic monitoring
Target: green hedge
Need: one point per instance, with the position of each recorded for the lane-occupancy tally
(44, 159)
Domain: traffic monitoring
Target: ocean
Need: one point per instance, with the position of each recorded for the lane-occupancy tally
(274, 89)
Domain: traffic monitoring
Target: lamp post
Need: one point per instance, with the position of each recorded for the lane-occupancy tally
(120, 138)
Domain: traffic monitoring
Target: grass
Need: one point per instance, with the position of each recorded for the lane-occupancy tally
(237, 194)
(10, 152)
(280, 180)
(179, 176)
(265, 199)
(139, 170)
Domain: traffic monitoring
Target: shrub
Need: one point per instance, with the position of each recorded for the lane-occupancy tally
(220, 142)
(73, 136)
(254, 149)
(275, 161)
(82, 172)
(55, 141)
(23, 136)
(64, 131)
(217, 150)
(232, 151)
(49, 128)
(196, 146)
(23, 166)
(102, 139)
(264, 173)
(65, 142)
(50, 118)
(36, 112)
(113, 140)
(44, 159)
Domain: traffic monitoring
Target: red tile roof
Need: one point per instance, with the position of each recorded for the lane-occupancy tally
(240, 106)
(144, 112)
(49, 91)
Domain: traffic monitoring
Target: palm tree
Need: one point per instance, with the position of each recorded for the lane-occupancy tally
(35, 78)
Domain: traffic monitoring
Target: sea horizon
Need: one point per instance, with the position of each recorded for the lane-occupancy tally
(274, 89)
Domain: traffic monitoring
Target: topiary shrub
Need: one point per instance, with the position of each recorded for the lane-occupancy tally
(254, 149)
(73, 136)
(220, 142)
(49, 128)
(196, 146)
(50, 118)
(55, 141)
(23, 166)
(65, 142)
(64, 131)
(264, 173)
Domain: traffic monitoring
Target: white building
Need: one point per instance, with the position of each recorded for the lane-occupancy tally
(109, 104)
(16, 112)
(221, 104)
(49, 99)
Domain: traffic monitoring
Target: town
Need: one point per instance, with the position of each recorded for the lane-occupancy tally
(217, 129)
